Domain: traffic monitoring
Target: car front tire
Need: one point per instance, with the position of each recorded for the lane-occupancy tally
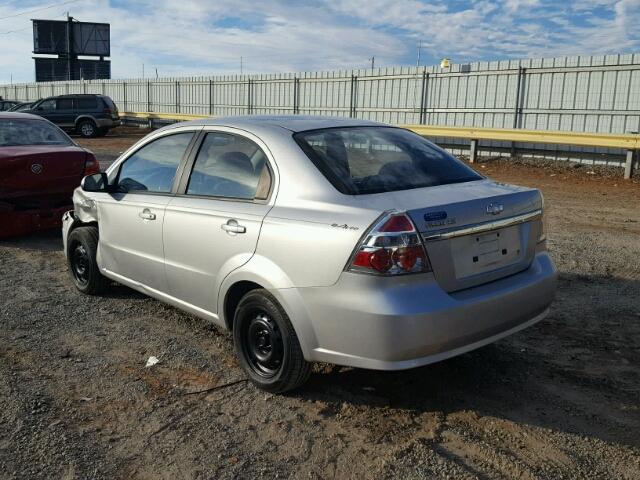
(81, 254)
(267, 345)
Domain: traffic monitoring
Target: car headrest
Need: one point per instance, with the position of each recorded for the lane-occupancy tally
(237, 162)
(401, 168)
(337, 153)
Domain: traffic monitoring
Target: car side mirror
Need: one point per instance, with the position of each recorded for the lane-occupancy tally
(98, 182)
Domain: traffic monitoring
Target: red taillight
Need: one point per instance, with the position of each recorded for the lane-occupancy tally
(397, 223)
(391, 247)
(91, 165)
(108, 111)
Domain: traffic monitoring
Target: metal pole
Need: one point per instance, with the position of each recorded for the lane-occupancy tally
(177, 97)
(124, 89)
(517, 113)
(518, 106)
(249, 96)
(423, 98)
(353, 99)
(473, 151)
(630, 164)
(69, 44)
(210, 97)
(148, 93)
(296, 95)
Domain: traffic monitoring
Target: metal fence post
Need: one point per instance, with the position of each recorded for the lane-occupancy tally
(124, 90)
(354, 96)
(249, 107)
(629, 165)
(517, 112)
(296, 95)
(423, 97)
(148, 95)
(177, 94)
(473, 151)
(210, 97)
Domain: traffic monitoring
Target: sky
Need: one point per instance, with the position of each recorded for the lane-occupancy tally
(200, 37)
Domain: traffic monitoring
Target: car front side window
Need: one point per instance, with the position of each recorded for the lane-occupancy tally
(153, 167)
(47, 105)
(229, 166)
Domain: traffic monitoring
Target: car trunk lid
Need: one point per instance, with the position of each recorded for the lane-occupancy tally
(40, 175)
(474, 232)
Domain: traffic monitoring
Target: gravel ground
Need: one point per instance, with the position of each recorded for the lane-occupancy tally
(559, 400)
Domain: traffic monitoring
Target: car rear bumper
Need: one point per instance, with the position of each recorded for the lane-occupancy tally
(108, 122)
(22, 222)
(394, 323)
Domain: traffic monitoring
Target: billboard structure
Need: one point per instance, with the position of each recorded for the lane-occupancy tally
(67, 40)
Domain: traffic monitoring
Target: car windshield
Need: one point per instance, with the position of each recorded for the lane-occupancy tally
(361, 160)
(16, 132)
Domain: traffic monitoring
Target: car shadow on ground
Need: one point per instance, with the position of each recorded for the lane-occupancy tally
(44, 241)
(569, 373)
(574, 372)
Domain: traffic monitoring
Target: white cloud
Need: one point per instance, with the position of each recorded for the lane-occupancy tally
(189, 37)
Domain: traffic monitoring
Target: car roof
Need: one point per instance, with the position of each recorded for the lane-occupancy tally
(294, 123)
(73, 95)
(19, 115)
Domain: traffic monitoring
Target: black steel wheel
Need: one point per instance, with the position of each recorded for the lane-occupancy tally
(267, 345)
(82, 247)
(264, 345)
(80, 264)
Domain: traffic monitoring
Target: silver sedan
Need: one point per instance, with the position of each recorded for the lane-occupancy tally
(315, 239)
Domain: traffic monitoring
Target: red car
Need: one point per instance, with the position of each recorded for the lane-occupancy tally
(40, 166)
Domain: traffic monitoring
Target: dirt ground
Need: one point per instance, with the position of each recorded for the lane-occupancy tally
(558, 400)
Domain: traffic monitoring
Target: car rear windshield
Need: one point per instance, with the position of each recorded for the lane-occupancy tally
(361, 160)
(16, 132)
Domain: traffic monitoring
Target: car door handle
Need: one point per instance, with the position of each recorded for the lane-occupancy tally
(232, 227)
(146, 214)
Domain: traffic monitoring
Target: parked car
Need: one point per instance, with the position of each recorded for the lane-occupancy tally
(40, 166)
(88, 115)
(315, 239)
(7, 105)
(21, 107)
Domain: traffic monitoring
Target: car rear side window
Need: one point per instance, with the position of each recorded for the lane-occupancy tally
(153, 167)
(64, 104)
(229, 166)
(361, 160)
(89, 103)
(16, 132)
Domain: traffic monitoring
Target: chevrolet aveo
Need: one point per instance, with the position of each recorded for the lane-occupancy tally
(315, 239)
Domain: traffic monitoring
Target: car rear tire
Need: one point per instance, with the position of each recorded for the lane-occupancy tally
(267, 345)
(87, 128)
(82, 247)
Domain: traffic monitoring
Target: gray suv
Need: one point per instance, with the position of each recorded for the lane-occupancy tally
(315, 239)
(86, 114)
